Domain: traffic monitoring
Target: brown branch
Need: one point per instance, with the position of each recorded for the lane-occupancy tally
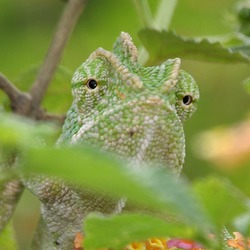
(65, 27)
(10, 90)
(59, 119)
(20, 102)
(28, 104)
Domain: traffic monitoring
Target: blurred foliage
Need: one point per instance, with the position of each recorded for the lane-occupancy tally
(243, 11)
(247, 85)
(226, 147)
(163, 44)
(99, 170)
(193, 209)
(22, 133)
(26, 28)
(7, 239)
(119, 234)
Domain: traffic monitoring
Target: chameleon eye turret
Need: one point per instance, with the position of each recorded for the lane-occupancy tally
(187, 100)
(187, 95)
(91, 84)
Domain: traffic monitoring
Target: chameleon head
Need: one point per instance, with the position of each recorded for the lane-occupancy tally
(134, 111)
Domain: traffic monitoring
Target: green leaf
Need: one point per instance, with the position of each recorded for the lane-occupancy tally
(162, 45)
(221, 199)
(246, 84)
(117, 231)
(7, 238)
(242, 224)
(19, 131)
(176, 195)
(236, 42)
(154, 188)
(90, 167)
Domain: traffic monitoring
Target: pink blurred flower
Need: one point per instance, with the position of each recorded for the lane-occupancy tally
(183, 244)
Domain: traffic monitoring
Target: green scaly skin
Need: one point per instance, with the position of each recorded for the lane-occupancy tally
(136, 112)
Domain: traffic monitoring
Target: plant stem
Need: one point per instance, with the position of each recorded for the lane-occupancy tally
(162, 19)
(165, 13)
(20, 102)
(144, 13)
(65, 27)
(28, 104)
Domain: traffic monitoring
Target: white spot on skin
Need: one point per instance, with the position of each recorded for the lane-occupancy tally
(85, 127)
(143, 144)
(156, 118)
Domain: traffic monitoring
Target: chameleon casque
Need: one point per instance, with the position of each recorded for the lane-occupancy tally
(118, 105)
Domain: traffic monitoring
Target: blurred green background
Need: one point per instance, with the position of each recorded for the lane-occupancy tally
(26, 28)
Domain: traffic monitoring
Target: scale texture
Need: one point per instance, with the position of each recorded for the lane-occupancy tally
(133, 111)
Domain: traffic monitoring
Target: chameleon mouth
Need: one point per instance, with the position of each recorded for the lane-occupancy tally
(156, 134)
(141, 131)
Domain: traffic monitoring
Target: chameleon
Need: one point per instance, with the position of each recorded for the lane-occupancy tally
(119, 106)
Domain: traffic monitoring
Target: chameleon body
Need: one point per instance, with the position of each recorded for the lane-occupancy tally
(118, 105)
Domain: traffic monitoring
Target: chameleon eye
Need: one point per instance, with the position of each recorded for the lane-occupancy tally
(187, 100)
(91, 83)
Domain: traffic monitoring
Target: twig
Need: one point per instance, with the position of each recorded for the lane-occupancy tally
(28, 104)
(20, 101)
(65, 27)
(11, 91)
(52, 117)
(164, 14)
(144, 13)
